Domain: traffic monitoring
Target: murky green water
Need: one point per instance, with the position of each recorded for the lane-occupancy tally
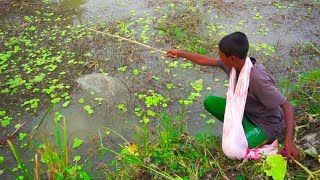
(273, 28)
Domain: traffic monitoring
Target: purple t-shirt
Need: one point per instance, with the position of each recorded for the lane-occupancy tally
(263, 100)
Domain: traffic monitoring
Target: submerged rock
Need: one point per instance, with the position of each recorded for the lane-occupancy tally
(311, 144)
(79, 122)
(103, 85)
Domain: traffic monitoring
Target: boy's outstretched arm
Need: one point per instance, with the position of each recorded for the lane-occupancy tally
(196, 58)
(291, 149)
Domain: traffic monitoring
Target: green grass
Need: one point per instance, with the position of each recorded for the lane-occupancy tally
(305, 92)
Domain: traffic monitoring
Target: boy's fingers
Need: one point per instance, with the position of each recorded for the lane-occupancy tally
(171, 55)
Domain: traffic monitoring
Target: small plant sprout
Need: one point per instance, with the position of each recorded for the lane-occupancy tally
(76, 158)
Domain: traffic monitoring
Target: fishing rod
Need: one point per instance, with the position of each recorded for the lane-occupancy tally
(126, 39)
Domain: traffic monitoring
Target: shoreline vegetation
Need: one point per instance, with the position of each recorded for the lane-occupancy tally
(40, 59)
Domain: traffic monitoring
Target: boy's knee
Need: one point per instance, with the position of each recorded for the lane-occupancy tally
(208, 99)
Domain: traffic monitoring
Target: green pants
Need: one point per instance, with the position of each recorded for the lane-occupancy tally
(255, 135)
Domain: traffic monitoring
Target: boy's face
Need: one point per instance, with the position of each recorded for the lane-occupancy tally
(226, 60)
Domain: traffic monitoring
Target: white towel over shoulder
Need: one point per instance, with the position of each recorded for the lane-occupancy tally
(234, 142)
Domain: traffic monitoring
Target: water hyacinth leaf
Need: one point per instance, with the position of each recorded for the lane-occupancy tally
(108, 132)
(22, 136)
(17, 126)
(1, 159)
(77, 143)
(55, 100)
(169, 86)
(136, 72)
(81, 101)
(203, 115)
(5, 121)
(186, 65)
(143, 68)
(155, 78)
(66, 104)
(210, 121)
(145, 120)
(76, 158)
(88, 109)
(122, 69)
(121, 107)
(2, 113)
(151, 113)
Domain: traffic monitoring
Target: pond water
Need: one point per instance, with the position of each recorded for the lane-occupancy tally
(131, 74)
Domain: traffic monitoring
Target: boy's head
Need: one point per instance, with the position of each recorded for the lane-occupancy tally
(234, 44)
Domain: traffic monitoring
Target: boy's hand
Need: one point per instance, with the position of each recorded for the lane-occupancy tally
(173, 53)
(291, 150)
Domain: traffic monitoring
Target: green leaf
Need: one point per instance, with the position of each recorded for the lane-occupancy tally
(22, 136)
(143, 68)
(55, 100)
(276, 167)
(66, 104)
(76, 158)
(122, 69)
(2, 113)
(136, 72)
(77, 143)
(88, 109)
(81, 101)
(203, 115)
(210, 121)
(108, 133)
(1, 159)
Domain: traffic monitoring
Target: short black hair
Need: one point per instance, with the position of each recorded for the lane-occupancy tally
(235, 44)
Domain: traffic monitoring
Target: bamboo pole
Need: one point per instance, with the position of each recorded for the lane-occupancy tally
(126, 39)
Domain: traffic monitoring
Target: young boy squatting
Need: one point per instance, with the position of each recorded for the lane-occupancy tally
(266, 109)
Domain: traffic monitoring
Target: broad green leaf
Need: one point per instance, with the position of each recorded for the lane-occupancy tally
(276, 167)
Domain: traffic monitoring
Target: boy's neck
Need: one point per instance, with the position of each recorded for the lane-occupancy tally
(239, 64)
